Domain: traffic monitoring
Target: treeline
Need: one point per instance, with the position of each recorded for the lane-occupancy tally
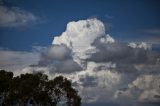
(36, 90)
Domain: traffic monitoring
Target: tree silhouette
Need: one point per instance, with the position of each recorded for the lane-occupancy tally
(36, 89)
(5, 81)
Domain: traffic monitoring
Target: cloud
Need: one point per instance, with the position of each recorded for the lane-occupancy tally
(58, 59)
(88, 81)
(17, 60)
(79, 37)
(151, 35)
(100, 67)
(15, 16)
(140, 45)
(108, 16)
(144, 88)
(155, 31)
(54, 53)
(107, 65)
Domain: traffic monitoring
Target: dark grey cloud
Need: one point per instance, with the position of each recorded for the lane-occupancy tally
(55, 53)
(126, 68)
(58, 59)
(65, 66)
(88, 81)
(119, 52)
(125, 57)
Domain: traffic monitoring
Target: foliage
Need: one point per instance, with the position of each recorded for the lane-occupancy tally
(36, 89)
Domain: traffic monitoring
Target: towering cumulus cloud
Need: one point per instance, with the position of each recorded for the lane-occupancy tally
(103, 69)
(80, 36)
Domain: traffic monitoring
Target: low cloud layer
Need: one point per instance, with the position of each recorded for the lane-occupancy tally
(17, 60)
(103, 69)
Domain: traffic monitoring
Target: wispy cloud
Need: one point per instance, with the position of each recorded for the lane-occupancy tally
(108, 16)
(15, 16)
(155, 31)
(151, 35)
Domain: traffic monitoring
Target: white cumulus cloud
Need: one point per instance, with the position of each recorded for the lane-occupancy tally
(79, 37)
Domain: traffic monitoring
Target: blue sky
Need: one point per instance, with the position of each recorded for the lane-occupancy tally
(136, 20)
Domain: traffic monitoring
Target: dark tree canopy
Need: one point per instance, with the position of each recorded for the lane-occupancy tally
(36, 89)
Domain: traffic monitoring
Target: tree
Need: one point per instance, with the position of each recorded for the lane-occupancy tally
(37, 89)
(5, 80)
(61, 90)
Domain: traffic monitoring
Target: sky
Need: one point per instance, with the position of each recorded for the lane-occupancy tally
(127, 20)
(109, 49)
